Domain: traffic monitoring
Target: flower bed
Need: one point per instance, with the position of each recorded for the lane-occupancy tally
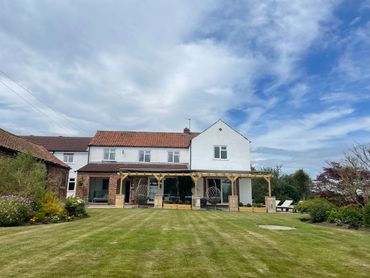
(16, 210)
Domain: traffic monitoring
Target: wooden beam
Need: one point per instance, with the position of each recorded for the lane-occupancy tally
(203, 174)
(159, 177)
(122, 177)
(268, 179)
(232, 176)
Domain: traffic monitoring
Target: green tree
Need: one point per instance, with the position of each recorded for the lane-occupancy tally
(302, 181)
(260, 186)
(284, 187)
(23, 176)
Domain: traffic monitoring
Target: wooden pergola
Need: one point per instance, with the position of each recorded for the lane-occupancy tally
(196, 175)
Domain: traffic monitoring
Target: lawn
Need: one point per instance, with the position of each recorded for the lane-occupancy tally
(169, 243)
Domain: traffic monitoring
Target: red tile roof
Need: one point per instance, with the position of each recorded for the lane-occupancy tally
(61, 143)
(142, 139)
(17, 144)
(115, 167)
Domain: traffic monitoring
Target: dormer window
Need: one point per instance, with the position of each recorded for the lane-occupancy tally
(220, 152)
(144, 156)
(110, 154)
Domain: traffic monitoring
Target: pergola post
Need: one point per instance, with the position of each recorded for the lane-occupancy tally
(270, 202)
(158, 199)
(233, 198)
(120, 198)
(195, 199)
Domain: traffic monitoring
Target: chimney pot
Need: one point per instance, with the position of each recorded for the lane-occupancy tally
(186, 130)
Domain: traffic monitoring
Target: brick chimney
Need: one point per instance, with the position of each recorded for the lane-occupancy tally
(186, 130)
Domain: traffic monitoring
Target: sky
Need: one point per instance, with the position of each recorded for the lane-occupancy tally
(292, 76)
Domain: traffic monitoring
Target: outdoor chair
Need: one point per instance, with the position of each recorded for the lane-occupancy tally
(286, 206)
(100, 196)
(214, 196)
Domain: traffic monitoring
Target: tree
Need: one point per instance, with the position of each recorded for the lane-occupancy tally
(23, 176)
(348, 180)
(302, 181)
(295, 186)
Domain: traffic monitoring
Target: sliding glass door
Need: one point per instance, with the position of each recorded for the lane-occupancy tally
(224, 185)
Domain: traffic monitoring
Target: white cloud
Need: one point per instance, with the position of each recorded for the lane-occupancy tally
(149, 65)
(310, 131)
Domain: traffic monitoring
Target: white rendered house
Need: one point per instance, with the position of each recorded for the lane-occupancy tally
(170, 166)
(217, 149)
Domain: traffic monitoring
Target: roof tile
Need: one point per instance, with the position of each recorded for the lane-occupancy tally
(18, 144)
(115, 167)
(61, 143)
(142, 139)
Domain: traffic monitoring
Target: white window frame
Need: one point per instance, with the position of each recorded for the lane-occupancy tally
(221, 149)
(109, 154)
(72, 180)
(172, 155)
(68, 158)
(146, 154)
(223, 182)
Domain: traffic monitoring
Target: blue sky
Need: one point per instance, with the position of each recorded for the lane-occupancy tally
(293, 76)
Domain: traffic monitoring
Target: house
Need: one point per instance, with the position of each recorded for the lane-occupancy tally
(124, 167)
(57, 171)
(73, 151)
(168, 167)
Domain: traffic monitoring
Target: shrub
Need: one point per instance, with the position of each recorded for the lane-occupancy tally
(14, 210)
(335, 216)
(352, 215)
(307, 205)
(50, 207)
(319, 214)
(367, 215)
(318, 208)
(23, 176)
(75, 206)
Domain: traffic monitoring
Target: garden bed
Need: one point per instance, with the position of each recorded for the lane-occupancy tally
(176, 206)
(252, 209)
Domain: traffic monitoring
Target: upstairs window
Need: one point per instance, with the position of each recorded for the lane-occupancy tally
(220, 152)
(144, 156)
(68, 157)
(109, 154)
(174, 157)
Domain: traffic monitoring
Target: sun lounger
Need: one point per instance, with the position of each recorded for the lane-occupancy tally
(286, 206)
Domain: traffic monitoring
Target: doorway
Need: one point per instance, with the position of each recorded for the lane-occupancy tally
(127, 191)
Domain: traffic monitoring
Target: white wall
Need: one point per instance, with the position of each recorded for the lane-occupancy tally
(245, 191)
(79, 160)
(202, 149)
(131, 155)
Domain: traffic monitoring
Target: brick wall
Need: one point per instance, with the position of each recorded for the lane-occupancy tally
(82, 187)
(57, 180)
(113, 183)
